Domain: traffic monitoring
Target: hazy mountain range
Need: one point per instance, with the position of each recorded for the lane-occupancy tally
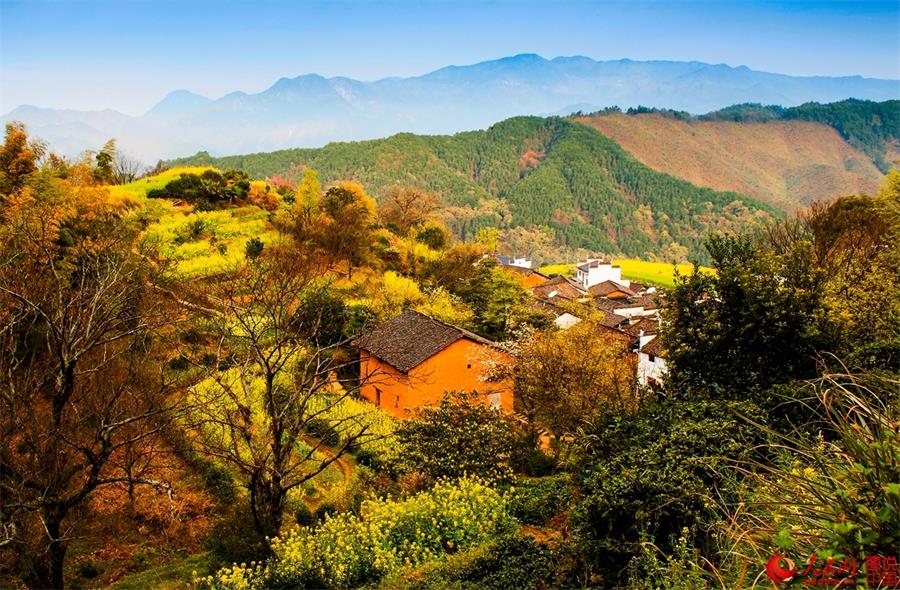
(311, 110)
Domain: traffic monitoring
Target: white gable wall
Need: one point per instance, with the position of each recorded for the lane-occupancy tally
(588, 274)
(647, 369)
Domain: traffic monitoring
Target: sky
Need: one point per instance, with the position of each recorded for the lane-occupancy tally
(128, 54)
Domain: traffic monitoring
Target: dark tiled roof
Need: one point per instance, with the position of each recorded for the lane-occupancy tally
(648, 325)
(550, 307)
(564, 288)
(612, 320)
(411, 338)
(648, 301)
(607, 287)
(611, 305)
(653, 348)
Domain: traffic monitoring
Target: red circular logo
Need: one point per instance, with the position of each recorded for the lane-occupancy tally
(778, 574)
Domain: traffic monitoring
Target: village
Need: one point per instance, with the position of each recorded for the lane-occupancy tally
(412, 360)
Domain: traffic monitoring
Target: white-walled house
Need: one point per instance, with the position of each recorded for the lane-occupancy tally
(595, 271)
(651, 369)
(514, 261)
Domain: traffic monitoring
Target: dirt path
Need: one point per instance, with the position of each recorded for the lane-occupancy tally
(344, 465)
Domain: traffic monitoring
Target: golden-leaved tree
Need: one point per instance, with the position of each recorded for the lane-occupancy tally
(83, 399)
(563, 378)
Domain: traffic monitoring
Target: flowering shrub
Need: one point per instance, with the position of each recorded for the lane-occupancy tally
(380, 442)
(208, 242)
(387, 536)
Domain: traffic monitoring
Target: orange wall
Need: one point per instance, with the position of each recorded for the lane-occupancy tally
(457, 367)
(377, 375)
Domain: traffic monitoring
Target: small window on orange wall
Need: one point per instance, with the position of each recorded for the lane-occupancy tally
(377, 397)
(397, 402)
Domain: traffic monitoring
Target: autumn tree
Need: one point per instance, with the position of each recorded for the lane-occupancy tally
(104, 169)
(855, 244)
(125, 168)
(281, 366)
(489, 238)
(347, 230)
(82, 397)
(396, 293)
(301, 219)
(404, 207)
(535, 243)
(18, 159)
(452, 265)
(563, 378)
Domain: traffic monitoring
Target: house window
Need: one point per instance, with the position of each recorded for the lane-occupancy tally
(397, 402)
(469, 366)
(377, 397)
(652, 358)
(494, 400)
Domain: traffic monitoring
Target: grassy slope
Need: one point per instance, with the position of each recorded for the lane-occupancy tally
(783, 163)
(220, 244)
(172, 575)
(654, 273)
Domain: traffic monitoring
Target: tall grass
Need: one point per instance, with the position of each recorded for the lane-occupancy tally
(835, 493)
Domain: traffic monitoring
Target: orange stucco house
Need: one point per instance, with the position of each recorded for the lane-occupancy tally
(410, 361)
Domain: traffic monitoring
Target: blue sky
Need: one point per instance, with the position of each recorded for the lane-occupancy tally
(128, 54)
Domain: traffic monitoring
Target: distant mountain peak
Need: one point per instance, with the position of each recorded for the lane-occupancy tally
(179, 102)
(301, 82)
(533, 57)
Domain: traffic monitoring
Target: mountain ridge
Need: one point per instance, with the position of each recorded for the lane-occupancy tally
(311, 110)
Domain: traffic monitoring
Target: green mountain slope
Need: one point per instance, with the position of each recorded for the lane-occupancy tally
(529, 171)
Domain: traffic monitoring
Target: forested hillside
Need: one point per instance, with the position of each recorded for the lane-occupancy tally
(787, 164)
(867, 125)
(530, 172)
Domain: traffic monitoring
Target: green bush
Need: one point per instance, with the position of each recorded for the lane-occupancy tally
(219, 482)
(536, 501)
(460, 436)
(324, 431)
(324, 510)
(647, 476)
(253, 248)
(520, 563)
(834, 492)
(303, 515)
(88, 570)
(234, 539)
(678, 570)
(527, 457)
